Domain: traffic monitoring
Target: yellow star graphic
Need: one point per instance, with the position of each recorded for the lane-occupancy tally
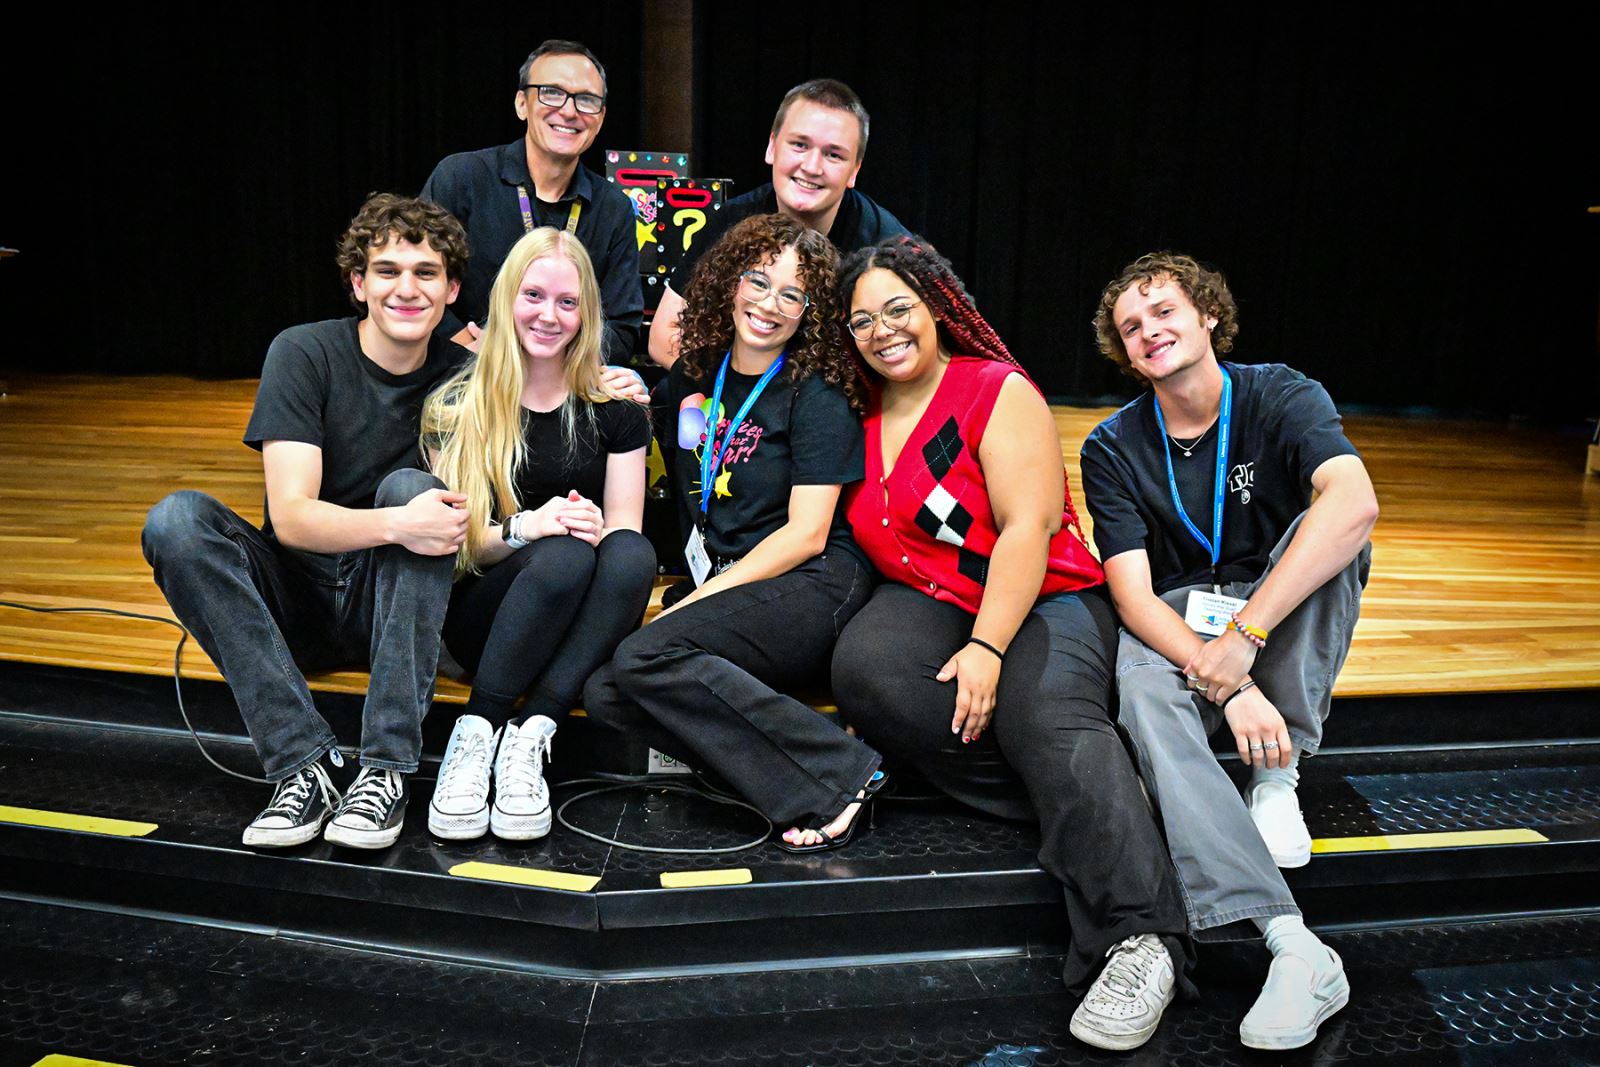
(655, 467)
(720, 487)
(644, 233)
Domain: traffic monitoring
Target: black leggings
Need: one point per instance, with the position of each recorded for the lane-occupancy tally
(540, 621)
(1052, 754)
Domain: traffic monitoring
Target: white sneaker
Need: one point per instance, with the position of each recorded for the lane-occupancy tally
(521, 809)
(1124, 1006)
(1276, 812)
(1300, 994)
(459, 810)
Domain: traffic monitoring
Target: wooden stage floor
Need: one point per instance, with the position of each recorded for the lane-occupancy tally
(1486, 560)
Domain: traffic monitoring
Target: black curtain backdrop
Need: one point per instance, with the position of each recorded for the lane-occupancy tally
(1397, 198)
(180, 178)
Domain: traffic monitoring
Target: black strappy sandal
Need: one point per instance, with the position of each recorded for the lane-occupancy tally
(866, 798)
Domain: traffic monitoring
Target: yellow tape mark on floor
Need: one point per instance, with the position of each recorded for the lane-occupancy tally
(66, 820)
(1451, 839)
(501, 872)
(55, 1059)
(697, 879)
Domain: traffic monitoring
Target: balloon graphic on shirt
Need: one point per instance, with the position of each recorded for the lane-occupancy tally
(692, 417)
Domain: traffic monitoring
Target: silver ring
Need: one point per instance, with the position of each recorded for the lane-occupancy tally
(1270, 744)
(1258, 748)
(1192, 680)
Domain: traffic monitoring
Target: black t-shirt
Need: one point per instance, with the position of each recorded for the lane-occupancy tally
(795, 434)
(318, 387)
(552, 469)
(859, 223)
(1284, 427)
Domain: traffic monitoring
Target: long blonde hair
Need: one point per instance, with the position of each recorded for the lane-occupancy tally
(474, 420)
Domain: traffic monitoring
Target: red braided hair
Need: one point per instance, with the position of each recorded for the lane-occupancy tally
(961, 327)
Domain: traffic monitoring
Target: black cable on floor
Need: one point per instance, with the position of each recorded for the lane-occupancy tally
(177, 667)
(615, 783)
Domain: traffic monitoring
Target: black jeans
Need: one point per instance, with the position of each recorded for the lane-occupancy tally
(703, 685)
(262, 611)
(540, 621)
(1052, 753)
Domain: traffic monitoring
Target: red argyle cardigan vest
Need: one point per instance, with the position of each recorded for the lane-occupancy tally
(928, 524)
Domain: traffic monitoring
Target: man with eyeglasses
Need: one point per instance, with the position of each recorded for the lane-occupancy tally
(818, 139)
(501, 193)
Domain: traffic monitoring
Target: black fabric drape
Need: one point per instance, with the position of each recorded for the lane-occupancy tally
(1396, 195)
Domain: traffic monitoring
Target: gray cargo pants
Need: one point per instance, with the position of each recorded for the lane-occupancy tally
(1224, 869)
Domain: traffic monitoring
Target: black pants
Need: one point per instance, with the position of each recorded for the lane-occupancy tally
(540, 621)
(1052, 752)
(703, 685)
(263, 611)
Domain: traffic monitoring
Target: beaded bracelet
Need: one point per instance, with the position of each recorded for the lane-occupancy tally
(1254, 634)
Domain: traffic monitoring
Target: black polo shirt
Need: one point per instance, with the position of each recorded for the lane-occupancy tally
(859, 223)
(480, 189)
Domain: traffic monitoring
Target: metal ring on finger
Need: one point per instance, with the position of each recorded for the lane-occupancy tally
(1271, 744)
(1258, 748)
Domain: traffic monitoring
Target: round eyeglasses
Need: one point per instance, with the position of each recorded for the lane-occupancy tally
(555, 96)
(894, 315)
(756, 287)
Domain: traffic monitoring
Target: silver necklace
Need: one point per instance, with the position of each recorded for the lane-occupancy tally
(1188, 449)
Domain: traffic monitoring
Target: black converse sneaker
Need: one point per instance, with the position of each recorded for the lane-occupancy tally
(300, 805)
(372, 812)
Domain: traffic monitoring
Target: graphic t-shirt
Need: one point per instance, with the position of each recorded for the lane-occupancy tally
(318, 388)
(552, 470)
(795, 434)
(1284, 427)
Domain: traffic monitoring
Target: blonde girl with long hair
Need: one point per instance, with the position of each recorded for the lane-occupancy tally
(555, 572)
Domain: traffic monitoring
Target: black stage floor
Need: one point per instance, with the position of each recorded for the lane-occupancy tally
(1464, 899)
(141, 991)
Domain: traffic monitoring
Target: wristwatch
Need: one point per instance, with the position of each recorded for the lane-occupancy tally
(509, 530)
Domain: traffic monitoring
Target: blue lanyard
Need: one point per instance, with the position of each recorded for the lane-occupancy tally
(710, 458)
(1220, 484)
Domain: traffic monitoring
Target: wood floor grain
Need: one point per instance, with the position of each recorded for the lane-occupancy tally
(1486, 561)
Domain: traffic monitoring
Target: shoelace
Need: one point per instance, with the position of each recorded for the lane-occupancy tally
(295, 793)
(1130, 965)
(469, 774)
(373, 792)
(523, 770)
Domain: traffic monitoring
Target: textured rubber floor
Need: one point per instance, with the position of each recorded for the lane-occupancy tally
(139, 990)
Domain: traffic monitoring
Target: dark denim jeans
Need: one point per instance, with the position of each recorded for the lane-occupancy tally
(263, 611)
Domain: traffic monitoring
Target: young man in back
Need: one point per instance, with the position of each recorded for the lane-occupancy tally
(1233, 518)
(355, 561)
(815, 149)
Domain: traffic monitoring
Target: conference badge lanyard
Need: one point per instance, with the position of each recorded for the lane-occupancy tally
(711, 459)
(526, 205)
(1207, 613)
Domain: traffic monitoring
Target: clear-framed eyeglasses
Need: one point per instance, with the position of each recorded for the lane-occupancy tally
(895, 314)
(756, 287)
(555, 96)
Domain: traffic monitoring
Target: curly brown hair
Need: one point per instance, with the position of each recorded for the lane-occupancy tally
(387, 215)
(1206, 289)
(707, 317)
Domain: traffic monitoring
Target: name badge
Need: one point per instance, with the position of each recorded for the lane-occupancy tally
(699, 559)
(1210, 613)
